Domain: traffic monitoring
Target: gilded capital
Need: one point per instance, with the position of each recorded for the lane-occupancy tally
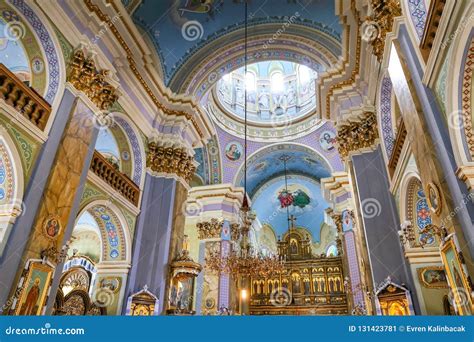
(209, 229)
(85, 77)
(170, 160)
(357, 135)
(338, 221)
(380, 23)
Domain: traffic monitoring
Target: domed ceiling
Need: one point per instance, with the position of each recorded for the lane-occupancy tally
(277, 91)
(179, 28)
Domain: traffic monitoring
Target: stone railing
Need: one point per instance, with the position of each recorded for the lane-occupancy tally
(432, 22)
(117, 180)
(397, 147)
(23, 98)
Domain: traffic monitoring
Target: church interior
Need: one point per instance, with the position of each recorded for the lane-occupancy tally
(236, 157)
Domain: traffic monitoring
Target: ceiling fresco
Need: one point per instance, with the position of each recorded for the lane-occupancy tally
(303, 200)
(268, 164)
(178, 28)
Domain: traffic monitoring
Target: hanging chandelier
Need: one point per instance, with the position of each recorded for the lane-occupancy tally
(243, 261)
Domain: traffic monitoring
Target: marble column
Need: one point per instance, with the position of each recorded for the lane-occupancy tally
(378, 214)
(431, 145)
(11, 258)
(60, 195)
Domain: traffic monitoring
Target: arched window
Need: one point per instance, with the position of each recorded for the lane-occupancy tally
(277, 82)
(108, 147)
(11, 188)
(331, 251)
(250, 81)
(305, 74)
(12, 52)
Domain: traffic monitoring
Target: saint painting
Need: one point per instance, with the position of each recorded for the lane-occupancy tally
(233, 151)
(327, 141)
(35, 288)
(51, 227)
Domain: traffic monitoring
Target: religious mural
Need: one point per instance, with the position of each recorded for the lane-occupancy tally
(233, 151)
(301, 198)
(35, 289)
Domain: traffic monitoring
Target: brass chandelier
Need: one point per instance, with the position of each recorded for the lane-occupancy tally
(243, 261)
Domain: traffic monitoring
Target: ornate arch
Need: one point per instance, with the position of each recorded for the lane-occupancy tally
(196, 74)
(384, 108)
(272, 147)
(416, 12)
(136, 145)
(55, 65)
(459, 82)
(11, 186)
(415, 209)
(114, 230)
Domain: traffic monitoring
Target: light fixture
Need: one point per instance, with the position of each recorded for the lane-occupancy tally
(244, 262)
(243, 294)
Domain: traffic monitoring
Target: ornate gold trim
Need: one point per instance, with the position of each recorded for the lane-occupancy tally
(133, 66)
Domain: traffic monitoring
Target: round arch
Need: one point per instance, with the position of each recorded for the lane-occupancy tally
(276, 146)
(51, 52)
(12, 177)
(135, 145)
(416, 12)
(196, 74)
(384, 110)
(414, 207)
(111, 224)
(459, 106)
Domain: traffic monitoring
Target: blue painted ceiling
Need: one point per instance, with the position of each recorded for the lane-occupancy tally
(308, 210)
(267, 164)
(165, 20)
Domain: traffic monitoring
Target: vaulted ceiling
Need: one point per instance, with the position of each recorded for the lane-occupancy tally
(180, 28)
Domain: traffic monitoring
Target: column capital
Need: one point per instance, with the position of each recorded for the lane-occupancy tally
(171, 159)
(94, 83)
(357, 134)
(210, 229)
(380, 23)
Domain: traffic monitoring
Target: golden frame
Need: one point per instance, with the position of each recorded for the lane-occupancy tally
(35, 266)
(450, 245)
(435, 208)
(421, 278)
